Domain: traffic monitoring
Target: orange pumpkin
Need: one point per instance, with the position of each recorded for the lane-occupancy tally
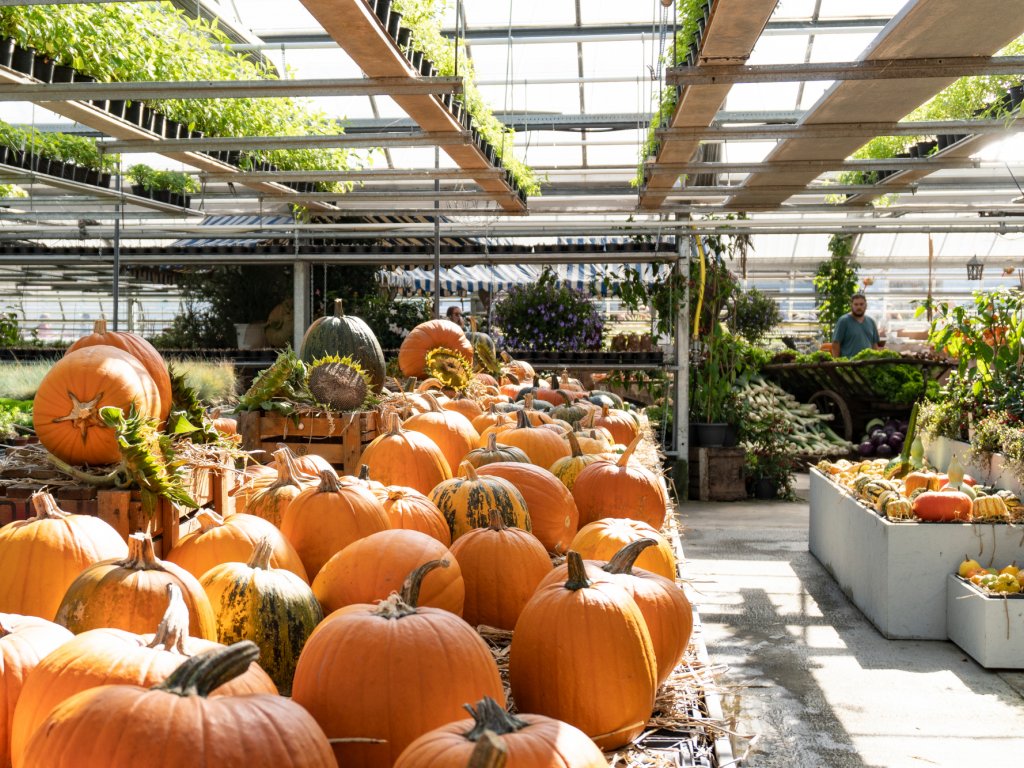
(309, 465)
(416, 669)
(497, 429)
(530, 740)
(466, 501)
(141, 350)
(568, 468)
(271, 502)
(324, 520)
(606, 688)
(24, 641)
(452, 432)
(42, 555)
(232, 539)
(409, 509)
(66, 409)
(131, 594)
(173, 723)
(467, 406)
(553, 513)
(502, 567)
(943, 506)
(521, 369)
(115, 657)
(622, 426)
(489, 418)
(601, 539)
(620, 489)
(427, 336)
(543, 446)
(407, 458)
(929, 481)
(370, 569)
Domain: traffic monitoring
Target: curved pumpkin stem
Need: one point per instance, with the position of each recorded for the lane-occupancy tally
(45, 507)
(141, 555)
(624, 458)
(261, 554)
(364, 472)
(100, 326)
(329, 481)
(587, 422)
(574, 446)
(172, 634)
(494, 520)
(492, 442)
(467, 470)
(403, 603)
(207, 671)
(395, 428)
(623, 560)
(489, 715)
(577, 572)
(208, 520)
(512, 378)
(523, 420)
(288, 471)
(435, 407)
(528, 401)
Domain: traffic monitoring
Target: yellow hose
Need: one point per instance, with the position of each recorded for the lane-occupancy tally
(700, 288)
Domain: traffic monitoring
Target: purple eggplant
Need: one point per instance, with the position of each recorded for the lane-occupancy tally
(866, 448)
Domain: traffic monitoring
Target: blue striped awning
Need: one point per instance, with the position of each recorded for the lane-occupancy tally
(254, 223)
(589, 278)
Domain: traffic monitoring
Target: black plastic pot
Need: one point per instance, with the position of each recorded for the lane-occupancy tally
(101, 104)
(67, 171)
(62, 73)
(43, 70)
(924, 148)
(133, 112)
(23, 60)
(158, 123)
(92, 176)
(162, 195)
(382, 8)
(1016, 94)
(425, 66)
(146, 121)
(196, 134)
(404, 38)
(711, 435)
(172, 128)
(416, 60)
(105, 179)
(394, 24)
(765, 489)
(81, 174)
(6, 51)
(943, 141)
(139, 191)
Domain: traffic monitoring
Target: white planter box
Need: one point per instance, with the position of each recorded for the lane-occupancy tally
(990, 629)
(940, 450)
(895, 573)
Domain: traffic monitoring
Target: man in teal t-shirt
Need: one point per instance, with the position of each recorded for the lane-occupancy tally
(855, 330)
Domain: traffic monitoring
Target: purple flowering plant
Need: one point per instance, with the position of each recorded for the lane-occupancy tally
(548, 316)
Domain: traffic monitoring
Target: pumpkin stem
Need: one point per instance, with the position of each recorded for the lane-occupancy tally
(489, 715)
(494, 520)
(604, 410)
(574, 445)
(490, 752)
(329, 481)
(513, 379)
(468, 471)
(528, 401)
(287, 470)
(45, 507)
(208, 520)
(261, 554)
(396, 425)
(523, 420)
(622, 561)
(492, 442)
(624, 458)
(587, 422)
(577, 572)
(141, 555)
(435, 407)
(209, 670)
(172, 634)
(100, 326)
(364, 472)
(339, 308)
(403, 603)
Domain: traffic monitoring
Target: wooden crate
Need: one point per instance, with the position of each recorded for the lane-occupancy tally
(717, 474)
(338, 437)
(122, 509)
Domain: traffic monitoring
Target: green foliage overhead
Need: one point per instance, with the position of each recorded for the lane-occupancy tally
(835, 283)
(755, 315)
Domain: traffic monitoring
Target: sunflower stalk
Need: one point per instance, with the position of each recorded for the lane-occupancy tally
(188, 416)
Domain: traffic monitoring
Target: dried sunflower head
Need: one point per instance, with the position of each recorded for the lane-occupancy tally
(339, 382)
(449, 367)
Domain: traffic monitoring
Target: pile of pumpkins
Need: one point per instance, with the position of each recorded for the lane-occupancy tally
(332, 619)
(925, 495)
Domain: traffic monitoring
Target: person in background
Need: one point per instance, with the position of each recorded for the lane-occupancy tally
(455, 315)
(855, 330)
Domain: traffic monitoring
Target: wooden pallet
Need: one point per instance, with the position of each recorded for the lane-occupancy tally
(122, 509)
(338, 437)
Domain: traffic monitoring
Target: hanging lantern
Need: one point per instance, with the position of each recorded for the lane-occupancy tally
(975, 268)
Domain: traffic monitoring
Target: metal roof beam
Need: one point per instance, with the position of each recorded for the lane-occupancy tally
(830, 165)
(842, 130)
(413, 139)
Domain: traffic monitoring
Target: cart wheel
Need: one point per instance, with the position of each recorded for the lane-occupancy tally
(827, 401)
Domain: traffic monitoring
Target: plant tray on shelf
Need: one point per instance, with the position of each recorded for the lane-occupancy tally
(338, 437)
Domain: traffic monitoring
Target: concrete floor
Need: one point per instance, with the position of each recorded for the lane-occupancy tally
(812, 676)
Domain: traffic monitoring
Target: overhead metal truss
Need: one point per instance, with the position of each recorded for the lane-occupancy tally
(841, 130)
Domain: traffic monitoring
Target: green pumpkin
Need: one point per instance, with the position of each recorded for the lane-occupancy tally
(341, 335)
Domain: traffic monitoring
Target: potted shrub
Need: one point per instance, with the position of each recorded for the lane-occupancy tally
(770, 458)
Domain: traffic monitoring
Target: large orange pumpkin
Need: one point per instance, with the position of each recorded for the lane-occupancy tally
(174, 723)
(929, 481)
(502, 567)
(466, 501)
(42, 555)
(620, 489)
(66, 409)
(370, 569)
(467, 406)
(943, 506)
(115, 657)
(452, 432)
(601, 539)
(581, 653)
(531, 741)
(543, 446)
(427, 336)
(140, 349)
(622, 426)
(24, 641)
(553, 514)
(232, 539)
(404, 457)
(409, 509)
(131, 594)
(416, 668)
(324, 520)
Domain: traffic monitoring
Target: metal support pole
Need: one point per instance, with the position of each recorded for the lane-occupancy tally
(684, 247)
(437, 239)
(300, 301)
(117, 252)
